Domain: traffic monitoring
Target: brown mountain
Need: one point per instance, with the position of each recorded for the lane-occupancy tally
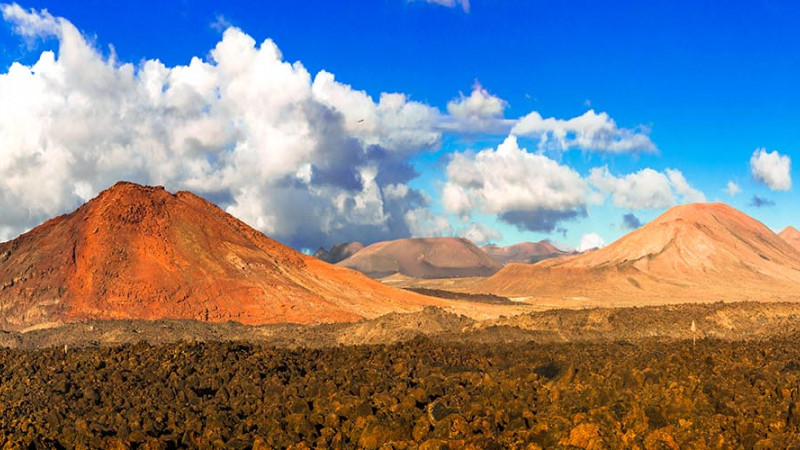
(523, 253)
(443, 257)
(143, 253)
(792, 236)
(697, 252)
(339, 252)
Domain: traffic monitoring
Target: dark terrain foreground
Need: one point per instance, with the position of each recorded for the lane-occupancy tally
(728, 321)
(423, 393)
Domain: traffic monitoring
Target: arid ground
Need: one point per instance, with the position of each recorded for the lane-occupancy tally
(596, 378)
(423, 393)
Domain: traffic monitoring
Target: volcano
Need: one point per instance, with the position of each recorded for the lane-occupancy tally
(442, 257)
(523, 253)
(691, 253)
(339, 252)
(138, 252)
(792, 236)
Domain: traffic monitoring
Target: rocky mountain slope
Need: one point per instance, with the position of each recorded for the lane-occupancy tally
(791, 235)
(138, 252)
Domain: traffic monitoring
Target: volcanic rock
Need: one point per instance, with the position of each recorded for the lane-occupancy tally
(138, 252)
(339, 252)
(646, 394)
(523, 253)
(791, 235)
(442, 257)
(697, 252)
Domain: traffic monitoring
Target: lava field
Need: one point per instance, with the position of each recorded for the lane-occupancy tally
(422, 393)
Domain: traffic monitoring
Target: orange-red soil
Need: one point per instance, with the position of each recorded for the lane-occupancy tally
(141, 252)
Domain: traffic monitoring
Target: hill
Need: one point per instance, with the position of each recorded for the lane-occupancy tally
(792, 236)
(442, 257)
(691, 253)
(138, 252)
(339, 252)
(523, 253)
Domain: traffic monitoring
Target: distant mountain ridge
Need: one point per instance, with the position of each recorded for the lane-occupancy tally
(339, 252)
(696, 252)
(791, 235)
(523, 252)
(442, 257)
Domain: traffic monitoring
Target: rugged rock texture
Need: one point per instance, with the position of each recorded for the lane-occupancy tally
(699, 252)
(389, 328)
(339, 252)
(139, 252)
(792, 236)
(523, 253)
(728, 321)
(419, 394)
(423, 258)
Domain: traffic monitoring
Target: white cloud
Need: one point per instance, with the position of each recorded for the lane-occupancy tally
(480, 234)
(732, 189)
(243, 127)
(423, 223)
(456, 200)
(451, 3)
(590, 131)
(528, 190)
(689, 194)
(29, 23)
(221, 23)
(645, 189)
(591, 241)
(394, 122)
(772, 169)
(396, 191)
(306, 159)
(478, 112)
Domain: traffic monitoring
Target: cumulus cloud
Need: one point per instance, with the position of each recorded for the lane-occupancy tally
(761, 202)
(480, 111)
(394, 122)
(480, 234)
(591, 241)
(25, 24)
(221, 23)
(772, 169)
(541, 219)
(530, 191)
(631, 222)
(590, 131)
(302, 160)
(681, 186)
(424, 223)
(451, 3)
(645, 189)
(732, 189)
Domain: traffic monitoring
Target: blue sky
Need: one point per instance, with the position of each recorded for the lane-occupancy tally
(702, 86)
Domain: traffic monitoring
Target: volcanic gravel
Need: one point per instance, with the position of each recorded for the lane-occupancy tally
(480, 298)
(417, 394)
